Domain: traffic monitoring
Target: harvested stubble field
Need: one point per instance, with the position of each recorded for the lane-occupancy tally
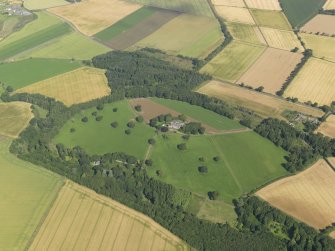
(14, 117)
(263, 104)
(234, 14)
(263, 4)
(328, 127)
(233, 3)
(308, 196)
(315, 82)
(246, 33)
(271, 70)
(322, 46)
(42, 4)
(93, 16)
(81, 219)
(272, 19)
(329, 5)
(197, 38)
(332, 161)
(281, 39)
(27, 192)
(320, 24)
(233, 61)
(74, 87)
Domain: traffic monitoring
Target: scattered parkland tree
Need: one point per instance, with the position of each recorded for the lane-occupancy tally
(115, 109)
(216, 158)
(213, 195)
(72, 130)
(148, 162)
(151, 141)
(159, 173)
(94, 113)
(186, 137)
(203, 169)
(100, 106)
(182, 146)
(202, 159)
(139, 119)
(128, 131)
(84, 119)
(138, 108)
(114, 124)
(99, 118)
(131, 124)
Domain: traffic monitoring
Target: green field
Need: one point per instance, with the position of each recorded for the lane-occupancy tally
(272, 19)
(233, 61)
(10, 24)
(300, 12)
(26, 193)
(63, 48)
(246, 161)
(125, 23)
(100, 137)
(30, 71)
(245, 32)
(196, 7)
(198, 113)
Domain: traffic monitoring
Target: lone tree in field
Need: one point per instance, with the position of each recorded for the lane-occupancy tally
(139, 119)
(138, 108)
(94, 113)
(114, 109)
(72, 130)
(84, 119)
(148, 162)
(159, 173)
(213, 195)
(100, 107)
(202, 169)
(182, 146)
(131, 124)
(99, 118)
(186, 137)
(151, 141)
(202, 159)
(128, 131)
(114, 124)
(216, 158)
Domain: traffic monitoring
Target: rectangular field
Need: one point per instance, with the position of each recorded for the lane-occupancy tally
(233, 61)
(281, 39)
(234, 14)
(245, 32)
(308, 196)
(263, 4)
(42, 4)
(323, 24)
(233, 3)
(328, 127)
(315, 82)
(322, 46)
(27, 192)
(81, 219)
(271, 70)
(263, 104)
(74, 87)
(272, 19)
(10, 24)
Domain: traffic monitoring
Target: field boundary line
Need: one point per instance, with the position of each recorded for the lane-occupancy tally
(108, 224)
(141, 238)
(330, 164)
(95, 225)
(118, 230)
(129, 233)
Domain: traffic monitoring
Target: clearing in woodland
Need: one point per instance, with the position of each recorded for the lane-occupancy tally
(233, 3)
(246, 33)
(263, 104)
(281, 39)
(322, 46)
(81, 219)
(328, 127)
(263, 4)
(323, 24)
(315, 82)
(93, 16)
(271, 70)
(14, 118)
(27, 192)
(272, 19)
(233, 61)
(74, 87)
(234, 14)
(308, 196)
(42, 4)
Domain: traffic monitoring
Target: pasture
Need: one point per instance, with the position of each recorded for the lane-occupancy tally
(194, 7)
(246, 162)
(10, 24)
(315, 82)
(263, 104)
(33, 70)
(74, 87)
(272, 19)
(233, 61)
(233, 3)
(263, 4)
(198, 37)
(14, 118)
(245, 32)
(271, 70)
(329, 5)
(327, 127)
(27, 192)
(299, 12)
(281, 39)
(81, 219)
(308, 196)
(234, 14)
(99, 137)
(322, 46)
(42, 4)
(91, 17)
(320, 24)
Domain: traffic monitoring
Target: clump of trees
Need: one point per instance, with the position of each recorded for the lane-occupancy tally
(203, 169)
(213, 195)
(151, 141)
(138, 108)
(84, 119)
(114, 124)
(99, 118)
(182, 146)
(127, 131)
(193, 128)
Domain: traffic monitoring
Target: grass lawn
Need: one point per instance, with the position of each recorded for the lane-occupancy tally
(26, 193)
(100, 137)
(300, 12)
(201, 114)
(269, 18)
(246, 161)
(22, 73)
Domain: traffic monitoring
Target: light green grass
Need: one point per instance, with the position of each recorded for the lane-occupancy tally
(26, 193)
(201, 114)
(71, 46)
(271, 18)
(125, 23)
(43, 4)
(247, 161)
(233, 61)
(22, 73)
(10, 24)
(244, 32)
(100, 137)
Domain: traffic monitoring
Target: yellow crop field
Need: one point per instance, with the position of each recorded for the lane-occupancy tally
(14, 118)
(80, 219)
(42, 4)
(92, 16)
(234, 14)
(322, 46)
(74, 87)
(263, 4)
(329, 5)
(315, 82)
(271, 18)
(263, 104)
(281, 39)
(328, 127)
(233, 3)
(308, 196)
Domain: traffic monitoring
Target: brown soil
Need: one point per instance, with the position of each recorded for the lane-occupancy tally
(322, 24)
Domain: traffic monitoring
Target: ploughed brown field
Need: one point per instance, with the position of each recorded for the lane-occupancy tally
(321, 24)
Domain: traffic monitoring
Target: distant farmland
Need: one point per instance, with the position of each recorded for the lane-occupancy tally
(322, 46)
(83, 220)
(328, 127)
(272, 19)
